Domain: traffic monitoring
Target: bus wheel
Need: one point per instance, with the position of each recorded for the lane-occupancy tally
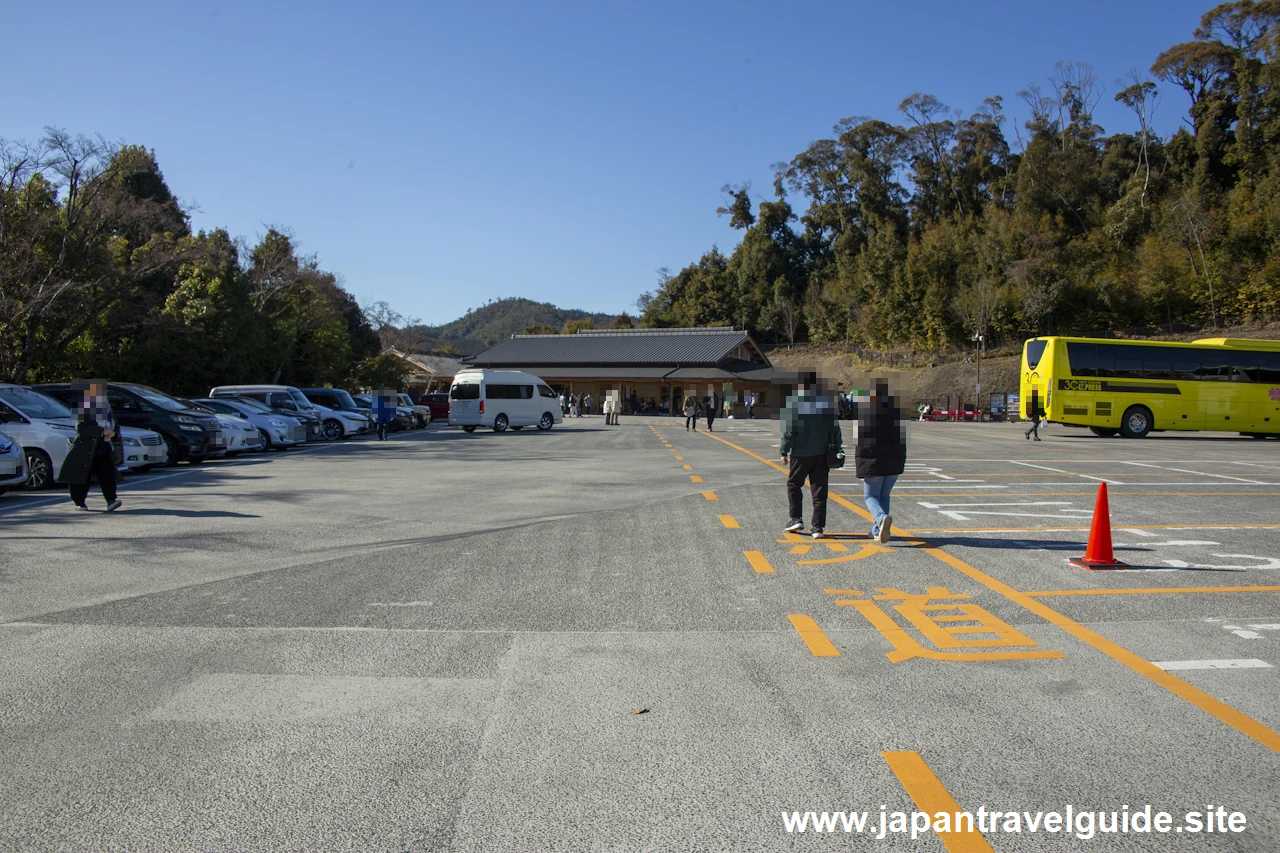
(1104, 432)
(1136, 423)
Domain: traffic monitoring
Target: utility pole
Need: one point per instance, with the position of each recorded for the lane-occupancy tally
(978, 339)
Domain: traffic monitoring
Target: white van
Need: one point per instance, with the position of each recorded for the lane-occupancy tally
(501, 399)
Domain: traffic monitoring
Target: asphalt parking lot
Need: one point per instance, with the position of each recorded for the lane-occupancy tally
(598, 638)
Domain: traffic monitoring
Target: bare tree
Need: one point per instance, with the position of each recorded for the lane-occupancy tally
(1141, 96)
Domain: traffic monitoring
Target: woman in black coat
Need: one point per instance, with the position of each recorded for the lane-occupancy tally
(90, 454)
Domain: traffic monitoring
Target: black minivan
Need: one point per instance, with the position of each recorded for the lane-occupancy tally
(188, 434)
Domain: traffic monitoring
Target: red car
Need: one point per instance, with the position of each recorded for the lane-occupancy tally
(438, 403)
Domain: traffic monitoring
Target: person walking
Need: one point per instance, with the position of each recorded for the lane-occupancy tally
(691, 413)
(880, 456)
(751, 403)
(573, 406)
(1036, 412)
(383, 410)
(90, 454)
(810, 429)
(564, 404)
(586, 405)
(712, 408)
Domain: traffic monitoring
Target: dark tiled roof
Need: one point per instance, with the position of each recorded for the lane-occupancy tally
(682, 347)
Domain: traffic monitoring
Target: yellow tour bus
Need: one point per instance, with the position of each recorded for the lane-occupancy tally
(1134, 387)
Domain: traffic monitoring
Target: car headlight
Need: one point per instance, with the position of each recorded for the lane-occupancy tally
(132, 442)
(192, 427)
(65, 427)
(276, 422)
(5, 445)
(183, 419)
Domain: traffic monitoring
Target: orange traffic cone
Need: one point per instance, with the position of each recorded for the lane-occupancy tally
(1098, 554)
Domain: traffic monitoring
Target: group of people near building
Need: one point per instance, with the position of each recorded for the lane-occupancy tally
(709, 407)
(813, 443)
(575, 405)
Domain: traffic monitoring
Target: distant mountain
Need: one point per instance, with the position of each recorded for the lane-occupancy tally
(483, 327)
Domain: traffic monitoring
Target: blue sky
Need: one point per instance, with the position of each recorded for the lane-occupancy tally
(440, 155)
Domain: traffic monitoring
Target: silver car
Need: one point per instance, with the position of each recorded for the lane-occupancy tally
(276, 429)
(143, 449)
(13, 463)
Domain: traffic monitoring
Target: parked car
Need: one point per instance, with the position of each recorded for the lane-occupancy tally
(13, 464)
(438, 403)
(278, 431)
(143, 449)
(338, 424)
(502, 399)
(42, 425)
(189, 435)
(421, 414)
(282, 398)
(235, 434)
(342, 411)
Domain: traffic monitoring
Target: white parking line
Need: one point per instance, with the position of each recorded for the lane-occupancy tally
(1236, 663)
(1197, 473)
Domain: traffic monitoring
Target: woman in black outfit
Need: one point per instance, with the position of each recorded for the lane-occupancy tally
(90, 454)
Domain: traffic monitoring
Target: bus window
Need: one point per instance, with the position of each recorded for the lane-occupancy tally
(1214, 366)
(1157, 362)
(1186, 365)
(1244, 366)
(1105, 360)
(1268, 368)
(1128, 362)
(1035, 350)
(1083, 359)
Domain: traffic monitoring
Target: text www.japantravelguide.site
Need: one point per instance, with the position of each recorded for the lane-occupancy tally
(1083, 824)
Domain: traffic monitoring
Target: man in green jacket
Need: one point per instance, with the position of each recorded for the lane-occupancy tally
(809, 428)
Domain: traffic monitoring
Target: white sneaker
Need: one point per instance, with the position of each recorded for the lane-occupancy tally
(114, 505)
(885, 524)
(796, 524)
(817, 533)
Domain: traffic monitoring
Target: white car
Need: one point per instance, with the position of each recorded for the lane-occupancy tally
(276, 430)
(338, 424)
(42, 426)
(143, 449)
(238, 435)
(502, 399)
(13, 464)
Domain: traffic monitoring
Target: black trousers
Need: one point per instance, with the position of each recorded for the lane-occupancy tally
(816, 470)
(710, 419)
(690, 419)
(103, 468)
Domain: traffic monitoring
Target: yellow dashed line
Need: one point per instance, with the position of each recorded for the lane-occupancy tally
(695, 478)
(730, 522)
(711, 496)
(813, 636)
(758, 562)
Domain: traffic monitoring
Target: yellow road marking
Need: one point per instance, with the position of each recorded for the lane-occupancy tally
(1151, 591)
(687, 467)
(929, 795)
(730, 522)
(813, 636)
(758, 562)
(711, 496)
(1242, 723)
(695, 478)
(679, 458)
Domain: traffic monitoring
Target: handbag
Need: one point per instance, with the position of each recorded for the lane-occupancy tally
(835, 456)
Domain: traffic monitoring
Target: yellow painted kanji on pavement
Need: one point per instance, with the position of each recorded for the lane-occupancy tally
(802, 546)
(947, 624)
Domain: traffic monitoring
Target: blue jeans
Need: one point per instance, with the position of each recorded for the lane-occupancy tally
(875, 491)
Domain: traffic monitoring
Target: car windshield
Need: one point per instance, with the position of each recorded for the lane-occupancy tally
(33, 404)
(194, 406)
(158, 398)
(219, 406)
(252, 404)
(300, 399)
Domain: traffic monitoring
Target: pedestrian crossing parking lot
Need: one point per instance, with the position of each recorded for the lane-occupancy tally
(603, 638)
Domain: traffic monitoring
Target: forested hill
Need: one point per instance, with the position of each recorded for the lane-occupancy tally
(918, 231)
(481, 328)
